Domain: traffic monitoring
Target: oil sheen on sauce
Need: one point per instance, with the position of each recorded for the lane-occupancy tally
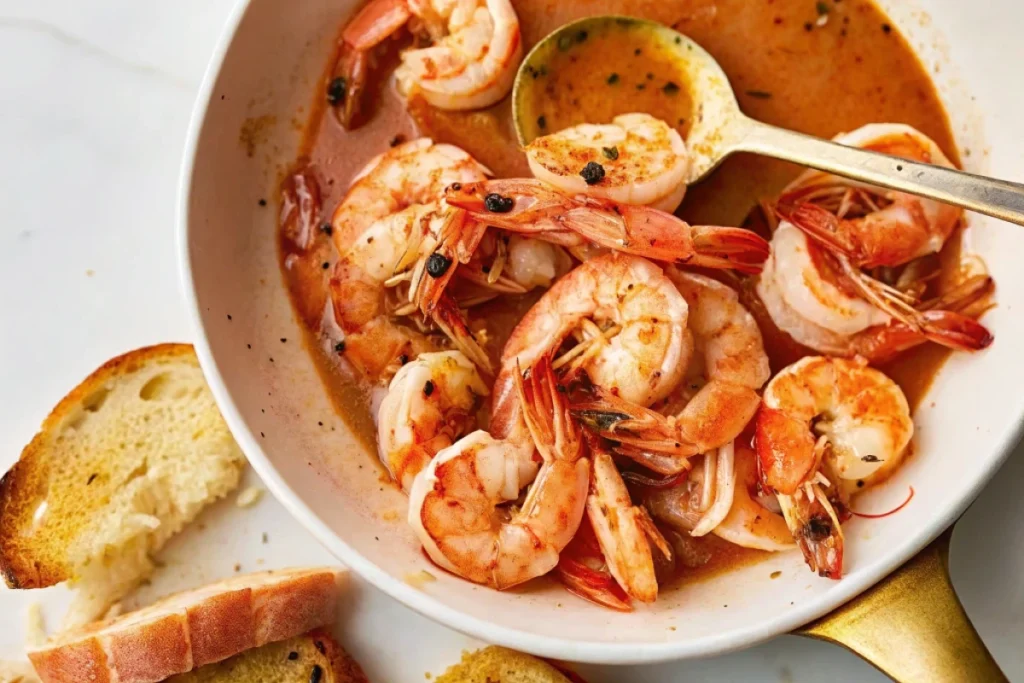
(820, 68)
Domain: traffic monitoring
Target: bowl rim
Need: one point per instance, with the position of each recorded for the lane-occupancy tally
(595, 652)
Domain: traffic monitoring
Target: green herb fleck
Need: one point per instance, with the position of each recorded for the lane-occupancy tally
(670, 88)
(613, 79)
(822, 8)
(565, 41)
(610, 153)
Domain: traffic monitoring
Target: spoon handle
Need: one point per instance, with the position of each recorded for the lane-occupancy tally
(998, 198)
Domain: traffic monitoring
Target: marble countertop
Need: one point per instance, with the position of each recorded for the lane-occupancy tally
(95, 98)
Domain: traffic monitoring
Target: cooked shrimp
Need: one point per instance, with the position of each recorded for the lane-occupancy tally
(454, 504)
(415, 172)
(623, 530)
(632, 319)
(731, 366)
(832, 413)
(871, 226)
(389, 247)
(635, 159)
(432, 402)
(530, 207)
(749, 521)
(471, 63)
(819, 308)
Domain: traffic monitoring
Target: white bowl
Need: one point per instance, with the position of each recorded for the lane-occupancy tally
(268, 65)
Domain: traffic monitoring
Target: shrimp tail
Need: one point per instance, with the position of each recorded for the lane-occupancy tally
(373, 24)
(450, 320)
(946, 328)
(546, 412)
(729, 248)
(820, 225)
(458, 239)
(815, 526)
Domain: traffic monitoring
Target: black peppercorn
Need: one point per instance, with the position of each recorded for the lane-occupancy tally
(438, 264)
(495, 203)
(592, 173)
(336, 90)
(293, 655)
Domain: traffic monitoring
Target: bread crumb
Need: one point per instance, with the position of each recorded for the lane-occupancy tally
(249, 497)
(35, 626)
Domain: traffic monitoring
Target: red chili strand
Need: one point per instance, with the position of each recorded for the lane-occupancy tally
(885, 514)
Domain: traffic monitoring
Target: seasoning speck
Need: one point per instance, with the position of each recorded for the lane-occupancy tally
(327, 229)
(340, 347)
(822, 8)
(319, 645)
(495, 203)
(871, 458)
(641, 86)
(613, 79)
(403, 359)
(229, 316)
(775, 574)
(610, 153)
(428, 388)
(670, 88)
(886, 28)
(316, 674)
(565, 41)
(759, 94)
(92, 477)
(284, 339)
(542, 123)
(592, 173)
(293, 655)
(397, 140)
(264, 538)
(637, 52)
(326, 265)
(336, 90)
(438, 264)
(263, 202)
(808, 26)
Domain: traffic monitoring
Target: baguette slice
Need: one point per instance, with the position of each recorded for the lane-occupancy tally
(123, 462)
(314, 656)
(500, 665)
(191, 629)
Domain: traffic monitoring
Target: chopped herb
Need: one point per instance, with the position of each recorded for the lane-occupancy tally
(759, 94)
(670, 88)
(495, 203)
(610, 153)
(775, 574)
(340, 347)
(871, 458)
(822, 8)
(438, 264)
(92, 478)
(613, 79)
(542, 122)
(319, 645)
(327, 229)
(592, 173)
(678, 40)
(581, 36)
(336, 90)
(565, 41)
(428, 388)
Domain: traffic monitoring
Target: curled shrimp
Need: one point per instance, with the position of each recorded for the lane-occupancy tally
(454, 504)
(475, 49)
(827, 415)
(635, 159)
(871, 226)
(530, 207)
(431, 402)
(415, 172)
(843, 312)
(393, 249)
(726, 479)
(731, 366)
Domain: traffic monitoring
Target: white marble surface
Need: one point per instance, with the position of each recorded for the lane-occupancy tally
(95, 96)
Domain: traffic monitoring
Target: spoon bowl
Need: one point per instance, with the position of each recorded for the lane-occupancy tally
(717, 128)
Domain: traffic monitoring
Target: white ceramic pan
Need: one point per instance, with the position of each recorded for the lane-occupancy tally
(268, 64)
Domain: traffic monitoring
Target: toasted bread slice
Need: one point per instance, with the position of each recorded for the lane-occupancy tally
(312, 657)
(191, 629)
(122, 463)
(501, 665)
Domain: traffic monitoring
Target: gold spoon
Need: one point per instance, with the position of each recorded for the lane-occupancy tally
(719, 129)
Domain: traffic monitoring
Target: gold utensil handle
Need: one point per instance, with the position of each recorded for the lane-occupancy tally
(998, 198)
(911, 625)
